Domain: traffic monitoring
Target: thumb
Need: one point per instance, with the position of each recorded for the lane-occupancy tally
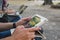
(20, 27)
(26, 19)
(34, 29)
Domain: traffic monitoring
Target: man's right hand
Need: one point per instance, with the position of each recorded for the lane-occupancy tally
(22, 33)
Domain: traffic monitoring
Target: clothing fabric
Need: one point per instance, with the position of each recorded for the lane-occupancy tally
(4, 4)
(8, 32)
(1, 3)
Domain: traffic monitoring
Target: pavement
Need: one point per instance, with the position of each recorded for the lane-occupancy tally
(18, 2)
(52, 27)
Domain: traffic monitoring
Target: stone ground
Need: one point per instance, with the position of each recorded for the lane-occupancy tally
(52, 27)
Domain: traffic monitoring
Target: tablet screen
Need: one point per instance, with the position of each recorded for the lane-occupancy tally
(35, 20)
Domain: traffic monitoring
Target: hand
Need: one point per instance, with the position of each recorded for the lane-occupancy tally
(22, 33)
(22, 21)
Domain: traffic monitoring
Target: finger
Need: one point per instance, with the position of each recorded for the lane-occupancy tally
(26, 19)
(34, 29)
(20, 27)
(32, 36)
(32, 33)
(33, 39)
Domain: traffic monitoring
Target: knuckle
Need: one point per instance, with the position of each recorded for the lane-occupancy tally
(28, 33)
(28, 36)
(33, 33)
(33, 36)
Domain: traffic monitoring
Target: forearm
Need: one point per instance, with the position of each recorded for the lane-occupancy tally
(5, 26)
(8, 38)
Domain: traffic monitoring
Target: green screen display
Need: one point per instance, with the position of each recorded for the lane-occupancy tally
(34, 21)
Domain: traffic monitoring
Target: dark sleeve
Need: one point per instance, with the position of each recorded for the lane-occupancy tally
(5, 34)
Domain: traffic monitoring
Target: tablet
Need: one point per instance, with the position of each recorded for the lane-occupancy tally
(37, 21)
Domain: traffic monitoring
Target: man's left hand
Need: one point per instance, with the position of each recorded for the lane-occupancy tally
(23, 21)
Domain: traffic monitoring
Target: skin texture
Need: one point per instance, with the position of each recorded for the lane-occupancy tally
(6, 26)
(22, 33)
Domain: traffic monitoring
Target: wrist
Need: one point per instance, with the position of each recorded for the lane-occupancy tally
(12, 38)
(14, 25)
(8, 38)
(17, 24)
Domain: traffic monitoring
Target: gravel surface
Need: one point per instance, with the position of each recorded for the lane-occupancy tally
(52, 27)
